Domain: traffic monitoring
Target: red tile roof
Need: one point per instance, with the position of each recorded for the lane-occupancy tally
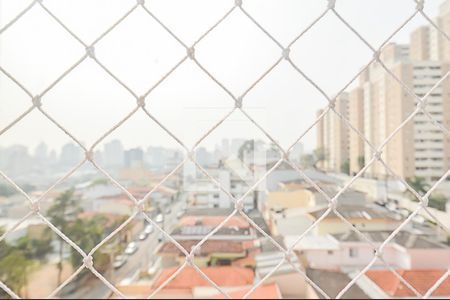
(270, 291)
(210, 246)
(189, 278)
(421, 280)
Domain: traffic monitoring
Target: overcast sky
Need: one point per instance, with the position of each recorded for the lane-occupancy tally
(36, 50)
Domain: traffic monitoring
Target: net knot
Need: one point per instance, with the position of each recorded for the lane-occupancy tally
(90, 51)
(376, 55)
(141, 101)
(333, 204)
(238, 103)
(332, 103)
(331, 4)
(239, 205)
(140, 207)
(191, 52)
(286, 53)
(88, 262)
(190, 258)
(420, 5)
(422, 104)
(377, 155)
(89, 155)
(34, 206)
(37, 101)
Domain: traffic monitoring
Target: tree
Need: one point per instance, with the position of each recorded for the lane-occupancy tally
(65, 207)
(6, 190)
(87, 233)
(419, 185)
(307, 161)
(438, 201)
(15, 268)
(247, 147)
(35, 248)
(361, 161)
(345, 167)
(319, 156)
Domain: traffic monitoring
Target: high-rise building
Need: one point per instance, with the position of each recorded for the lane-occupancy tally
(113, 154)
(134, 158)
(296, 152)
(419, 148)
(356, 143)
(202, 156)
(41, 152)
(385, 106)
(71, 155)
(379, 105)
(320, 131)
(439, 44)
(335, 136)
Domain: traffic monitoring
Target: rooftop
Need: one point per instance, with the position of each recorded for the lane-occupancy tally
(235, 221)
(348, 197)
(421, 280)
(312, 242)
(315, 175)
(200, 231)
(259, 220)
(269, 291)
(268, 246)
(332, 282)
(367, 212)
(210, 246)
(289, 199)
(403, 238)
(267, 261)
(209, 212)
(189, 278)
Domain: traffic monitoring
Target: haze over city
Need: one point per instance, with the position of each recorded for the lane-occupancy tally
(88, 102)
(117, 181)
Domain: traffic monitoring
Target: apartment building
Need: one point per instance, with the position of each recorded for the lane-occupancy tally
(379, 105)
(356, 118)
(335, 136)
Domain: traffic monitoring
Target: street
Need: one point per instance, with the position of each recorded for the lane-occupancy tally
(141, 260)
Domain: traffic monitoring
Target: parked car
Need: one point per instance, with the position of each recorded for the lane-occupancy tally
(180, 214)
(161, 237)
(119, 261)
(159, 218)
(168, 211)
(142, 236)
(149, 229)
(156, 265)
(131, 248)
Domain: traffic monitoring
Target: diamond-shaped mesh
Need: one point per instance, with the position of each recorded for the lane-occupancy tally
(239, 5)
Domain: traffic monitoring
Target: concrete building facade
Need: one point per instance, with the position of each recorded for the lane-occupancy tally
(380, 104)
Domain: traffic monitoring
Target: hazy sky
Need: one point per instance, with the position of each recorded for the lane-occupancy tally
(36, 50)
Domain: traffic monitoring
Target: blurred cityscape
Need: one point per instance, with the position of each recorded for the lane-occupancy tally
(185, 201)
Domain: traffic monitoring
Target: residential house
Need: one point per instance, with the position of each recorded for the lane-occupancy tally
(349, 251)
(189, 283)
(210, 253)
(385, 284)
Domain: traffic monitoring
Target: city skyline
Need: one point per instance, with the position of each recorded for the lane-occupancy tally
(134, 176)
(280, 95)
